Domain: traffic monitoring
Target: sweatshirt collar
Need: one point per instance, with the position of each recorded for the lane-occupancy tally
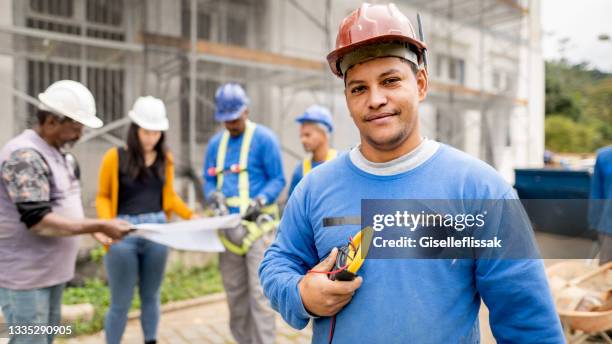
(409, 161)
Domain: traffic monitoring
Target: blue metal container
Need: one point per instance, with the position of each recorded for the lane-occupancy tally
(556, 200)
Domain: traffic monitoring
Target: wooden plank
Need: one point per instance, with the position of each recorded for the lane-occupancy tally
(234, 52)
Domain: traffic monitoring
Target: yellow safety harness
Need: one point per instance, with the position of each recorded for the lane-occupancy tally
(307, 163)
(243, 199)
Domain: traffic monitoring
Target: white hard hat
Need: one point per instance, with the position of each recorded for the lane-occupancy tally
(71, 99)
(149, 113)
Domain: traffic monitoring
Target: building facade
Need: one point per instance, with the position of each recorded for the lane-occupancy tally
(485, 65)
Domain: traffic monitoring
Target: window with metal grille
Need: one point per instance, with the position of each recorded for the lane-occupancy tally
(63, 8)
(502, 81)
(107, 87)
(236, 31)
(41, 74)
(109, 12)
(221, 21)
(204, 23)
(51, 15)
(449, 68)
(103, 19)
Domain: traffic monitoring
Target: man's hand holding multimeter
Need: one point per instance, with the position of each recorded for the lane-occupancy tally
(320, 295)
(330, 285)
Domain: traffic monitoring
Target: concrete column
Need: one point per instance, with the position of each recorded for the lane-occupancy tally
(536, 84)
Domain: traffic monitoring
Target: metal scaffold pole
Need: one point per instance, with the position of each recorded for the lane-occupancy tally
(192, 90)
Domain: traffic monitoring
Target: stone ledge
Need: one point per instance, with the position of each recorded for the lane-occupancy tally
(72, 313)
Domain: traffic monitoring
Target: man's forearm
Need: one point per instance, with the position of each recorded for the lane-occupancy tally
(55, 225)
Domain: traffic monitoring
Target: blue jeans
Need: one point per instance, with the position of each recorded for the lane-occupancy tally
(127, 262)
(41, 306)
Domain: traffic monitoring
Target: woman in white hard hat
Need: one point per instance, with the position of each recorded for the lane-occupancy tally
(136, 184)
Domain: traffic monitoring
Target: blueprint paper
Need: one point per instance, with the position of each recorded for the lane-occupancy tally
(194, 235)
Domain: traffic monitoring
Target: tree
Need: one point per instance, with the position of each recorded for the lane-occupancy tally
(565, 135)
(578, 107)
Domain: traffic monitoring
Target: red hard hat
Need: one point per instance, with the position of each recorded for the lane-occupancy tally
(371, 24)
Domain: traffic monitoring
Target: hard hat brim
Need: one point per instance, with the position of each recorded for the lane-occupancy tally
(161, 126)
(334, 56)
(302, 120)
(228, 116)
(88, 121)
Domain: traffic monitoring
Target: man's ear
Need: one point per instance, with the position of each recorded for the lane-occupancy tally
(422, 79)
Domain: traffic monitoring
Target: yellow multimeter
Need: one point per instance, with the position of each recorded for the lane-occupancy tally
(351, 256)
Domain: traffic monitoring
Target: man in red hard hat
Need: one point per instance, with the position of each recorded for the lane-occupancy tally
(380, 59)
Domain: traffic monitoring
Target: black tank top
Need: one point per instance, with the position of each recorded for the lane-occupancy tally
(141, 195)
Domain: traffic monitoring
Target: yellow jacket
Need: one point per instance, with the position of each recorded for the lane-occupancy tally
(108, 189)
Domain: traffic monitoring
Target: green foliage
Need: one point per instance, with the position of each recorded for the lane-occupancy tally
(578, 108)
(566, 135)
(182, 284)
(179, 284)
(95, 291)
(97, 254)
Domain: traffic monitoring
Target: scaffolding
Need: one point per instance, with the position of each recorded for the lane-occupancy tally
(181, 51)
(495, 92)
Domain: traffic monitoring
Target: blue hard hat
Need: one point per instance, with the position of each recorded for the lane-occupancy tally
(317, 114)
(230, 101)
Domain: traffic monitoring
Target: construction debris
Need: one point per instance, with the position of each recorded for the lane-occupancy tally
(583, 296)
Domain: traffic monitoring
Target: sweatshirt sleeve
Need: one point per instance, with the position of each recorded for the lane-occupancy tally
(287, 260)
(210, 160)
(513, 285)
(521, 309)
(105, 176)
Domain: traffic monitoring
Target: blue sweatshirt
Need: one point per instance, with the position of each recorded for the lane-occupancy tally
(600, 210)
(406, 300)
(264, 166)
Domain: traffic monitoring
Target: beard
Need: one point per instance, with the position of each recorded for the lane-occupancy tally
(388, 143)
(68, 145)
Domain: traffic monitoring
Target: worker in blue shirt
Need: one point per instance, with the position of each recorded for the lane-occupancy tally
(395, 300)
(600, 207)
(243, 172)
(316, 126)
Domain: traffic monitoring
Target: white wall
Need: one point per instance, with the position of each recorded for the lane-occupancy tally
(7, 129)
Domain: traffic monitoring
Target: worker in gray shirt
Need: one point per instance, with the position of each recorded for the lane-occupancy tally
(41, 213)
